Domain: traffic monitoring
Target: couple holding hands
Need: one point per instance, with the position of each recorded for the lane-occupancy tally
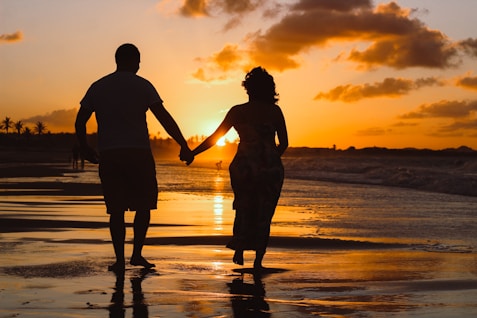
(120, 101)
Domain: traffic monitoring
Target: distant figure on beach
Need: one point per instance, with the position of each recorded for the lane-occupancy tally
(218, 164)
(256, 172)
(77, 156)
(75, 152)
(120, 101)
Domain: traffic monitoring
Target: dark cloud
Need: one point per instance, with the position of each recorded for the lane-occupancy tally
(469, 46)
(61, 120)
(463, 125)
(396, 39)
(469, 82)
(12, 37)
(389, 87)
(444, 109)
(198, 8)
(194, 8)
(333, 5)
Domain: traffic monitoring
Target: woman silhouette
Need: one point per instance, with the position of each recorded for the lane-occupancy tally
(256, 172)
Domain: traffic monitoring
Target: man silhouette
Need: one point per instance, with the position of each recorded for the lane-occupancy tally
(120, 101)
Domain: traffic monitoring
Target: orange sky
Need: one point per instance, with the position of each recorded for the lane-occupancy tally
(349, 73)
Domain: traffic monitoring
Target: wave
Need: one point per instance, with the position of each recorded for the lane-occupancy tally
(451, 175)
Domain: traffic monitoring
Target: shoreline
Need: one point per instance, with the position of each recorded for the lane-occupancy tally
(449, 176)
(56, 248)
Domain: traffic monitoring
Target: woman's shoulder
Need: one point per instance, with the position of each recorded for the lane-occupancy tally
(238, 108)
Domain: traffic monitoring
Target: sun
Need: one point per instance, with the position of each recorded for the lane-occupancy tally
(221, 142)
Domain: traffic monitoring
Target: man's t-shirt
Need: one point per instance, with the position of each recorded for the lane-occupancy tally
(120, 101)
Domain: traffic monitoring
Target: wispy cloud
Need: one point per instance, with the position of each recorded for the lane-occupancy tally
(389, 87)
(372, 131)
(458, 126)
(236, 10)
(468, 81)
(61, 120)
(469, 46)
(444, 109)
(12, 37)
(194, 8)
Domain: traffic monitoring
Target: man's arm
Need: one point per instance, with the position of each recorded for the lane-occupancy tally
(80, 126)
(171, 127)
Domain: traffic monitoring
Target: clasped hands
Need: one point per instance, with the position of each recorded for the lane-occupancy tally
(186, 155)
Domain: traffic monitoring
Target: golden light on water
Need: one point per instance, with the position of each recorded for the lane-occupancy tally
(218, 211)
(218, 202)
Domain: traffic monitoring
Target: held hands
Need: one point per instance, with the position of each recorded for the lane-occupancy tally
(186, 155)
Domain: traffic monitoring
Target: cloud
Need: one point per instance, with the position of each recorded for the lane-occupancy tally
(209, 8)
(397, 40)
(194, 8)
(227, 59)
(444, 109)
(404, 124)
(373, 131)
(61, 120)
(11, 38)
(469, 46)
(394, 37)
(455, 127)
(389, 87)
(469, 82)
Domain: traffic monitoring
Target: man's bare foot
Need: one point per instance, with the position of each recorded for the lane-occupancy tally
(117, 267)
(141, 261)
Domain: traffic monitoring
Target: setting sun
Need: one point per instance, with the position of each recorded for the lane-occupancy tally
(221, 142)
(366, 85)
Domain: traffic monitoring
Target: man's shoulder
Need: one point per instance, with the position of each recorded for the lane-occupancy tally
(103, 79)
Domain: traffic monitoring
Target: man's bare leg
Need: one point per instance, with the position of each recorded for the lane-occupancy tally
(141, 224)
(117, 228)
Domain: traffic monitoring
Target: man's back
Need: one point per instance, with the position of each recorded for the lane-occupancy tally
(120, 101)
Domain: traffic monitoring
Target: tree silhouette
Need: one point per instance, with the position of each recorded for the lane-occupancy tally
(18, 126)
(27, 132)
(40, 128)
(7, 124)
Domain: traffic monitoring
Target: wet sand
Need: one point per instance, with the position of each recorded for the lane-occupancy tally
(55, 250)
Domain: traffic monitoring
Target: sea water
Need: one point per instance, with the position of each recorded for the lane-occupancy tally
(332, 210)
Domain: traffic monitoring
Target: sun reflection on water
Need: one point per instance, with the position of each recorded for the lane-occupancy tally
(218, 202)
(218, 212)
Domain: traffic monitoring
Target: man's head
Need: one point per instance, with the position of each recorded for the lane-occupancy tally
(128, 58)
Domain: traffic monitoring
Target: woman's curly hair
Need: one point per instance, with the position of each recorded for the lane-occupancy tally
(260, 85)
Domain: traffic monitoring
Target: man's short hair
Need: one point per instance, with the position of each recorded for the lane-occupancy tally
(127, 53)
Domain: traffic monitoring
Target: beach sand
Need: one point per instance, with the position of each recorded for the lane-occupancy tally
(55, 249)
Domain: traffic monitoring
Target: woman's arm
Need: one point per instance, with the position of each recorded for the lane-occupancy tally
(282, 133)
(223, 128)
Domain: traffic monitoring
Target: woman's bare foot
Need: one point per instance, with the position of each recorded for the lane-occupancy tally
(238, 257)
(141, 261)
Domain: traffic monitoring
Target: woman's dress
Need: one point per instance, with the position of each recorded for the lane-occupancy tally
(256, 175)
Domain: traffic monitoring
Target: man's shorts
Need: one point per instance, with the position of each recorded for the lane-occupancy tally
(128, 179)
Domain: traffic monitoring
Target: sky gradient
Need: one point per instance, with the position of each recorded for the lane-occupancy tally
(349, 73)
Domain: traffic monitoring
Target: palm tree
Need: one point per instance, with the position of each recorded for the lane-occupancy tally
(18, 126)
(7, 123)
(27, 132)
(40, 128)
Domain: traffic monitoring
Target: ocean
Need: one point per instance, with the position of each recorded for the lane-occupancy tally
(332, 210)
